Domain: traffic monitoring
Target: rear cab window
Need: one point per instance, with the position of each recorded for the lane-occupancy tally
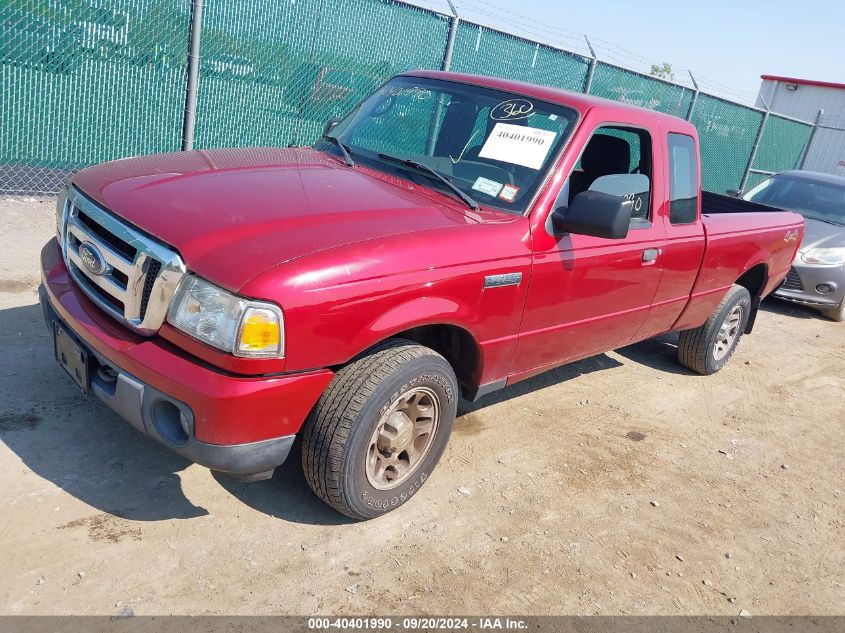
(683, 179)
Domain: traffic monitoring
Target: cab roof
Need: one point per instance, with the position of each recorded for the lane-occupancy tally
(580, 101)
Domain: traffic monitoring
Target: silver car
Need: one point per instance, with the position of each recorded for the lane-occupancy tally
(817, 277)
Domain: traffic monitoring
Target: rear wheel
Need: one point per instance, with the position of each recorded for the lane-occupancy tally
(708, 348)
(379, 429)
(836, 314)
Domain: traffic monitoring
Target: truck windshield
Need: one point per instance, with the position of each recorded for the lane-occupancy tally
(814, 199)
(494, 146)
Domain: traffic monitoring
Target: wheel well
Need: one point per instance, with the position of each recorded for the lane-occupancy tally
(456, 345)
(754, 279)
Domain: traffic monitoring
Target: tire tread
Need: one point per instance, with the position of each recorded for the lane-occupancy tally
(693, 345)
(330, 423)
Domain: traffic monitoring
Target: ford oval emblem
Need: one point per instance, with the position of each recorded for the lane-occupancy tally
(93, 259)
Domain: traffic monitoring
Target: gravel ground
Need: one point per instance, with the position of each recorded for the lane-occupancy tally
(621, 484)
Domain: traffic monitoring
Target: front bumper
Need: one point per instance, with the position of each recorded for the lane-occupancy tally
(241, 425)
(800, 285)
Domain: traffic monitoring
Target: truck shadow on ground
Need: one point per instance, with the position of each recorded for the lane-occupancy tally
(78, 444)
(541, 381)
(660, 353)
(286, 496)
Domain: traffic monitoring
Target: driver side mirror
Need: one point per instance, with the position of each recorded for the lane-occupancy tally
(597, 214)
(605, 209)
(331, 124)
(734, 193)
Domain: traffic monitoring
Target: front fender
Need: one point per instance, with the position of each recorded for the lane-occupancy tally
(340, 302)
(416, 313)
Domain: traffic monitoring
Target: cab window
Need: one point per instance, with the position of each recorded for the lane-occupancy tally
(616, 150)
(683, 181)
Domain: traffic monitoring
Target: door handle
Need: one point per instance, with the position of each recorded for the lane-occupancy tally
(650, 255)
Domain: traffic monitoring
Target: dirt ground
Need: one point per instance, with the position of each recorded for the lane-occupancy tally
(622, 484)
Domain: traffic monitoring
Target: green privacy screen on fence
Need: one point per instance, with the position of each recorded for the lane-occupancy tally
(481, 51)
(726, 134)
(85, 81)
(272, 72)
(612, 82)
(781, 147)
(82, 84)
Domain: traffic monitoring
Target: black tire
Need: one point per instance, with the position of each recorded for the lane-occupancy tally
(697, 347)
(336, 438)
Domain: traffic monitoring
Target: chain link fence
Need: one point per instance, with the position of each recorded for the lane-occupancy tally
(782, 140)
(273, 73)
(86, 81)
(620, 84)
(484, 51)
(826, 151)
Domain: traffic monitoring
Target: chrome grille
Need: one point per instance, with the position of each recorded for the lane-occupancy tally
(793, 281)
(139, 275)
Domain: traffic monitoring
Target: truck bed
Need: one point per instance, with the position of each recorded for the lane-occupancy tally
(713, 203)
(741, 237)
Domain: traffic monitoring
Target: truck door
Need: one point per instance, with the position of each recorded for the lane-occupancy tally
(685, 243)
(590, 294)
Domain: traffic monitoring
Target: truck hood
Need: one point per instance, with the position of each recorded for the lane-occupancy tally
(822, 235)
(234, 213)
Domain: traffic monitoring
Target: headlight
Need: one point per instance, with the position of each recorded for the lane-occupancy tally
(824, 256)
(230, 323)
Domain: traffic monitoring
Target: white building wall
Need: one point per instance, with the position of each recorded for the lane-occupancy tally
(826, 154)
(804, 102)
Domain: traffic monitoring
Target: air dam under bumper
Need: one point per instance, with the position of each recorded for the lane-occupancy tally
(241, 425)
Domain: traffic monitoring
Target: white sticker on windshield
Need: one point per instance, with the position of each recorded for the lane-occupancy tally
(485, 185)
(518, 144)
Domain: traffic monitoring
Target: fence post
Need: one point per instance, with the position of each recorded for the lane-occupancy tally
(755, 147)
(809, 144)
(433, 128)
(694, 97)
(454, 20)
(190, 114)
(588, 80)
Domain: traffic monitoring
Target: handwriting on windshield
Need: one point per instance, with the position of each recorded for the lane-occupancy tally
(512, 109)
(457, 160)
(413, 92)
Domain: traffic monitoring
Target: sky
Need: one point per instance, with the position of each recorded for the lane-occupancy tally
(727, 44)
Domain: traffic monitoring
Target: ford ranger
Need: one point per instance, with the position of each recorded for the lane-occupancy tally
(452, 235)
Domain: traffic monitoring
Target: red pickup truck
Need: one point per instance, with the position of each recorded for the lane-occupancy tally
(451, 236)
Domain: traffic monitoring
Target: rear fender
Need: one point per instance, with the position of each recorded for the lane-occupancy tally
(756, 280)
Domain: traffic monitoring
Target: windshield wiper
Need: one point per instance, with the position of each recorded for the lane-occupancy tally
(471, 203)
(343, 149)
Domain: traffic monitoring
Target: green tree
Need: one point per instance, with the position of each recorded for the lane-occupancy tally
(664, 71)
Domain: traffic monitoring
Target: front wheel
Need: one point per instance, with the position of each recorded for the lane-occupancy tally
(379, 429)
(708, 348)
